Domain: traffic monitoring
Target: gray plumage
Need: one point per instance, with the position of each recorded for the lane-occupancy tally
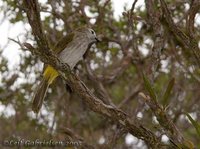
(74, 51)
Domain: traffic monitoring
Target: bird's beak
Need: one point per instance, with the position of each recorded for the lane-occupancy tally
(97, 40)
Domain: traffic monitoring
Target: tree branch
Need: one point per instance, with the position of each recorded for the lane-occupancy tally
(188, 42)
(164, 119)
(153, 20)
(194, 8)
(75, 83)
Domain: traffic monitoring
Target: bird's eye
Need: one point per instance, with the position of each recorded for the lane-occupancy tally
(92, 32)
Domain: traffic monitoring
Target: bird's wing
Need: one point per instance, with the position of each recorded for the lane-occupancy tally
(63, 42)
(61, 45)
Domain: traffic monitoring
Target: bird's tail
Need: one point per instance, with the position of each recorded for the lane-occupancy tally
(39, 95)
(49, 76)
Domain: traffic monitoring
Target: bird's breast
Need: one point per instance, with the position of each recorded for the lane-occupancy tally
(73, 53)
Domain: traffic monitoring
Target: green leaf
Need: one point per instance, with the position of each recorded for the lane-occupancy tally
(194, 123)
(168, 91)
(149, 88)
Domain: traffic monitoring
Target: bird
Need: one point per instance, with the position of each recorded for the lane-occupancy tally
(69, 49)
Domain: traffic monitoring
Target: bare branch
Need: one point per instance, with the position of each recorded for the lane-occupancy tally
(194, 8)
(188, 42)
(153, 19)
(93, 102)
(130, 96)
(99, 88)
(164, 119)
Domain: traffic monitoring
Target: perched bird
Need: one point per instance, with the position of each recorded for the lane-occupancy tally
(70, 49)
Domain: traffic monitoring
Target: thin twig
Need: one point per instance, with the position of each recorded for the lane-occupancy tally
(81, 89)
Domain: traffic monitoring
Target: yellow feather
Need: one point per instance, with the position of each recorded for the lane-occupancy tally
(50, 74)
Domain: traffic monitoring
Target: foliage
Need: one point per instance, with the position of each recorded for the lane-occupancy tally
(139, 52)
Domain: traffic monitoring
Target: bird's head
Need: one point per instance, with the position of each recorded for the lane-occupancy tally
(88, 33)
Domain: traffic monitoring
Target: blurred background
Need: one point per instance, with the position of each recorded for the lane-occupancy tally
(112, 70)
